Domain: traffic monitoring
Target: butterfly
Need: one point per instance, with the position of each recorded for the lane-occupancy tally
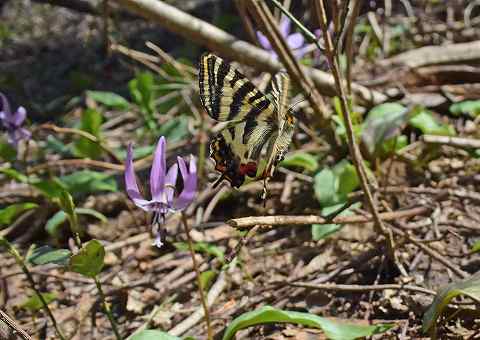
(254, 121)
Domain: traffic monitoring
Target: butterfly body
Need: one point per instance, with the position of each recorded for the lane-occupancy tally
(255, 121)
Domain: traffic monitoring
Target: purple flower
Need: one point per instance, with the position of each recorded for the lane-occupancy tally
(162, 186)
(295, 41)
(12, 122)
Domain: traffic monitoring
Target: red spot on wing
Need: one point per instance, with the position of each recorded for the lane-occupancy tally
(249, 169)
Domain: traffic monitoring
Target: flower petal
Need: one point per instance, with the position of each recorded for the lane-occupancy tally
(295, 41)
(263, 40)
(131, 183)
(284, 26)
(170, 181)
(157, 173)
(189, 184)
(5, 106)
(19, 116)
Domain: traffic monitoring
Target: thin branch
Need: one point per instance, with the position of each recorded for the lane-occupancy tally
(249, 222)
(352, 145)
(361, 288)
(13, 325)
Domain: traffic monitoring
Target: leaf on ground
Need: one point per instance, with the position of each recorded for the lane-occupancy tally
(467, 107)
(383, 122)
(8, 214)
(47, 254)
(321, 231)
(302, 160)
(425, 121)
(89, 260)
(109, 99)
(469, 287)
(152, 334)
(33, 303)
(332, 329)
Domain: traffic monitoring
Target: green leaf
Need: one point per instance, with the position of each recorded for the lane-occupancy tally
(53, 224)
(175, 129)
(467, 107)
(393, 145)
(206, 278)
(382, 123)
(347, 179)
(34, 303)
(141, 90)
(428, 124)
(203, 247)
(7, 152)
(8, 214)
(333, 330)
(87, 182)
(14, 174)
(152, 334)
(476, 247)
(89, 260)
(91, 123)
(93, 213)
(301, 160)
(109, 99)
(46, 254)
(332, 186)
(321, 231)
(51, 188)
(325, 187)
(469, 287)
(57, 146)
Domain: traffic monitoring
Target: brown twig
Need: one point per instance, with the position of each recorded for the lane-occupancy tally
(13, 325)
(458, 142)
(353, 146)
(361, 288)
(249, 222)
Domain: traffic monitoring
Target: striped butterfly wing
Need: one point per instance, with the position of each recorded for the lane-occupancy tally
(254, 120)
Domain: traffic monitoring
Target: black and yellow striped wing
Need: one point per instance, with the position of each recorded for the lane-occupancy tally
(255, 120)
(227, 94)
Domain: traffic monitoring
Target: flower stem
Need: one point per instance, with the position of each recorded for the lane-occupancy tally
(107, 309)
(199, 282)
(20, 261)
(75, 228)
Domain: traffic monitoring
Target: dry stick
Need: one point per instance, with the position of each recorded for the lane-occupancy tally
(199, 281)
(361, 288)
(215, 39)
(13, 325)
(465, 143)
(264, 18)
(352, 145)
(249, 222)
(348, 33)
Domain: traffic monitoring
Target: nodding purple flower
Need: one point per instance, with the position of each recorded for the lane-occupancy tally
(162, 186)
(295, 41)
(12, 122)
